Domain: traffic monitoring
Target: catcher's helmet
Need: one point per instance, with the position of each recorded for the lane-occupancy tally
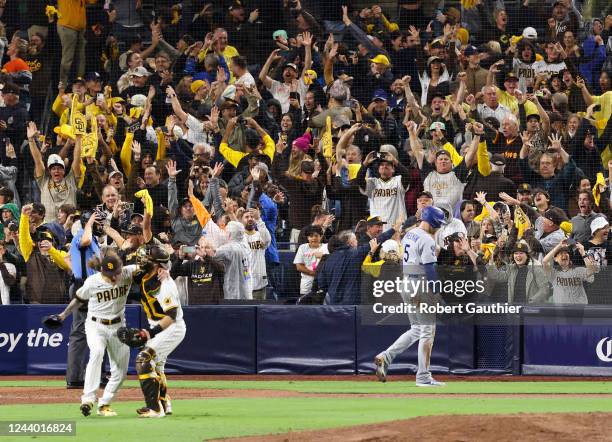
(148, 256)
(433, 216)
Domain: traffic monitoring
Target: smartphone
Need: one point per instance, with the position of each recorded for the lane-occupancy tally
(100, 98)
(188, 250)
(168, 100)
(530, 89)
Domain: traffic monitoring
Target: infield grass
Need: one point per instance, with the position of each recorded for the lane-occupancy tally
(201, 419)
(361, 387)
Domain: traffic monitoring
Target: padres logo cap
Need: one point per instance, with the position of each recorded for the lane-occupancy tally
(111, 265)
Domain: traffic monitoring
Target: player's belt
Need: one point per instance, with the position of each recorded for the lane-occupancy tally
(107, 321)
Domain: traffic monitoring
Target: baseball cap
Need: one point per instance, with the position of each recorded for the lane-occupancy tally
(55, 160)
(599, 223)
(498, 160)
(521, 246)
(280, 33)
(138, 100)
(389, 148)
(524, 188)
(380, 95)
(111, 265)
(196, 85)
(345, 77)
(437, 125)
(437, 43)
(133, 229)
(93, 76)
(140, 71)
(115, 172)
(470, 50)
(390, 245)
(433, 59)
(511, 76)
(536, 116)
(374, 220)
(381, 59)
(556, 215)
(134, 215)
(292, 66)
(530, 33)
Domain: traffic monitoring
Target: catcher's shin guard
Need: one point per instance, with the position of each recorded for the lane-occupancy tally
(163, 391)
(147, 376)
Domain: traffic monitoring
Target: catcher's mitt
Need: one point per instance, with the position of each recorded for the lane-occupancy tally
(132, 337)
(52, 321)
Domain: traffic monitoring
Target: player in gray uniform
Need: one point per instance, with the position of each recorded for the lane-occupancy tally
(419, 259)
(105, 293)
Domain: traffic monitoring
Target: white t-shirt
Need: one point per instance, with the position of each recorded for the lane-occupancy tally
(280, 91)
(106, 300)
(306, 255)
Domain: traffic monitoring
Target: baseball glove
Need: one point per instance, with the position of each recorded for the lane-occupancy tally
(52, 321)
(132, 337)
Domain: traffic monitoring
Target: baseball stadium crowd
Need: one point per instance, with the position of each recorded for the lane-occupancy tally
(279, 149)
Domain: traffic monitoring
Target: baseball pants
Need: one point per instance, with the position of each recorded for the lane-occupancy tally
(422, 329)
(165, 342)
(101, 338)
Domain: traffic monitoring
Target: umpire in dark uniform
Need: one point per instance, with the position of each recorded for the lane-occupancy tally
(83, 247)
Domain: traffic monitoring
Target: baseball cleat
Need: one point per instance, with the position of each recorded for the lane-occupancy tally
(86, 408)
(167, 406)
(381, 368)
(149, 413)
(106, 411)
(431, 383)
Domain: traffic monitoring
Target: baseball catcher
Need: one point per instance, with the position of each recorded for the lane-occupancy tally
(160, 301)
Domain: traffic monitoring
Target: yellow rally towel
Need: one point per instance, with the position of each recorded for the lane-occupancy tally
(148, 202)
(77, 120)
(488, 250)
(521, 222)
(326, 138)
(567, 227)
(482, 215)
(353, 170)
(596, 193)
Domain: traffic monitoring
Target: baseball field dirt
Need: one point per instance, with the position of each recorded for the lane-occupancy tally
(343, 408)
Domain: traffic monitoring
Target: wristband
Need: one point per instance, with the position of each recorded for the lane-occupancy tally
(155, 330)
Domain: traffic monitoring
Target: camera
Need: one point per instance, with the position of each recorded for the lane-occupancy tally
(530, 89)
(13, 227)
(240, 120)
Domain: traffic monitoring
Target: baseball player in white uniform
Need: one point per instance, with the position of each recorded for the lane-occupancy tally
(419, 259)
(105, 293)
(161, 303)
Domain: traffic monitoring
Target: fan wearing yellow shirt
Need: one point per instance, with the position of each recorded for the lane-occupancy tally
(218, 43)
(507, 96)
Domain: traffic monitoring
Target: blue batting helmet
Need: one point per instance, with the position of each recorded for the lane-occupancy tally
(433, 216)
